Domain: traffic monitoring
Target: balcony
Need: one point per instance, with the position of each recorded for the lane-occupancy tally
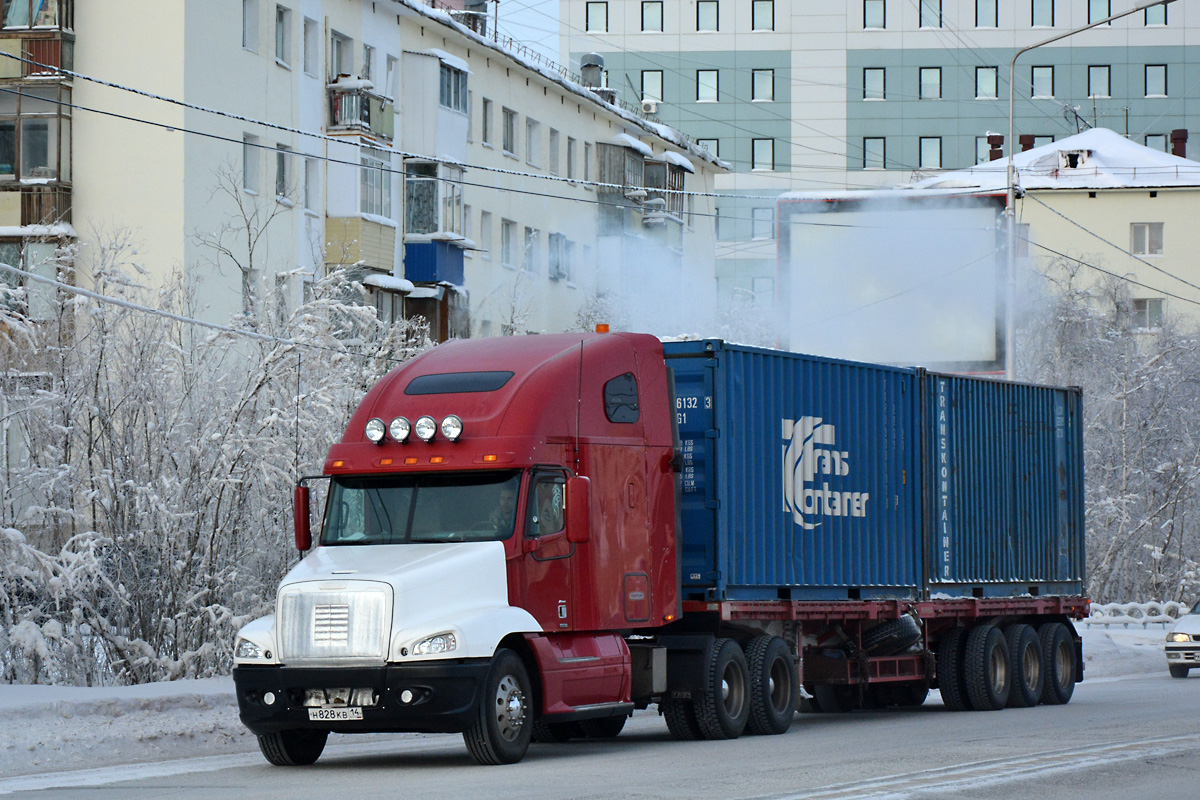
(354, 106)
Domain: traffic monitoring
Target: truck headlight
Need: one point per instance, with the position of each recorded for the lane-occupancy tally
(425, 428)
(433, 645)
(1178, 637)
(247, 649)
(375, 430)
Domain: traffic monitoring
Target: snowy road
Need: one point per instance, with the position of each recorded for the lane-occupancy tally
(1121, 737)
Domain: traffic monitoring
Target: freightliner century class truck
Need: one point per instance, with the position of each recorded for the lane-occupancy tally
(528, 538)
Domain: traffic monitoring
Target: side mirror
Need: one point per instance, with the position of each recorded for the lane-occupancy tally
(300, 518)
(579, 509)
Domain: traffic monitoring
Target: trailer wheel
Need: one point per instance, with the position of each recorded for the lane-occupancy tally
(987, 669)
(1058, 663)
(773, 685)
(1178, 671)
(951, 680)
(503, 726)
(681, 719)
(292, 748)
(891, 637)
(835, 699)
(1025, 658)
(604, 728)
(723, 709)
(555, 732)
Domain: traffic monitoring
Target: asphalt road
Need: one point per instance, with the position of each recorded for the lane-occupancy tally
(1123, 738)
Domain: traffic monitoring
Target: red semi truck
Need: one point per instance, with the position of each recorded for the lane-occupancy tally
(526, 539)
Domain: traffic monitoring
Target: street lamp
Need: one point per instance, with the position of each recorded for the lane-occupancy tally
(1009, 210)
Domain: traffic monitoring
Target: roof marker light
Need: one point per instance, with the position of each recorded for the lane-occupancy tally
(425, 428)
(452, 427)
(490, 457)
(400, 429)
(410, 460)
(375, 430)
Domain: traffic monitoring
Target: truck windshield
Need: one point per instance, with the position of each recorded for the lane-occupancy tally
(399, 509)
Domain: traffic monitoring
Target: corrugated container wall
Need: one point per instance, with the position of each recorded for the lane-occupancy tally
(812, 478)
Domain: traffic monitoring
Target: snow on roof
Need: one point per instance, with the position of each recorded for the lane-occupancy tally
(448, 60)
(388, 282)
(625, 140)
(664, 132)
(674, 158)
(1097, 158)
(350, 83)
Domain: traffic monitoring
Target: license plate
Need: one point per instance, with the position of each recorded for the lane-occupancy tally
(334, 714)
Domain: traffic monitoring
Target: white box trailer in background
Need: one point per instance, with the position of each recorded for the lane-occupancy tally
(912, 277)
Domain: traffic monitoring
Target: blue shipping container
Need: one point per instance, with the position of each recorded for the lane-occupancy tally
(813, 478)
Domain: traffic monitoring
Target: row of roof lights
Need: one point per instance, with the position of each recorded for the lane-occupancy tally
(425, 428)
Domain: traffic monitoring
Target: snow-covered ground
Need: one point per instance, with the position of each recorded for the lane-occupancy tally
(52, 728)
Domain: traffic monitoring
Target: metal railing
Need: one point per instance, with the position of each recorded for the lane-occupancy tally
(1143, 614)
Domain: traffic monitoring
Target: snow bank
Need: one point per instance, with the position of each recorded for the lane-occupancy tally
(54, 728)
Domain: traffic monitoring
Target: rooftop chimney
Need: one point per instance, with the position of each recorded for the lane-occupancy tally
(591, 66)
(1179, 142)
(996, 142)
(1026, 140)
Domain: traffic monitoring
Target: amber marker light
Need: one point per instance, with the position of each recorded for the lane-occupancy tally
(385, 462)
(436, 459)
(668, 617)
(339, 463)
(410, 460)
(490, 457)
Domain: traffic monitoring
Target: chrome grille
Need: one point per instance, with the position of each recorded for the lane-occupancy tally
(344, 623)
(331, 625)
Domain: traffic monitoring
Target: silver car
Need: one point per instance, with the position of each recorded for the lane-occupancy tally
(1183, 644)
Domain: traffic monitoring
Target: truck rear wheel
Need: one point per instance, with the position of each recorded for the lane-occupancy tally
(503, 727)
(681, 719)
(724, 707)
(987, 669)
(292, 748)
(1058, 663)
(950, 676)
(1025, 658)
(773, 685)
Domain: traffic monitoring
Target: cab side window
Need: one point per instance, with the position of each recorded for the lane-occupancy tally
(621, 399)
(546, 505)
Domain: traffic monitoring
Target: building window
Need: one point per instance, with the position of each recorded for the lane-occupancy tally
(1146, 238)
(1157, 141)
(250, 163)
(572, 147)
(368, 63)
(1041, 13)
(874, 83)
(453, 89)
(340, 58)
(985, 83)
(283, 35)
(874, 14)
(1098, 85)
(1148, 312)
(931, 13)
(931, 83)
(763, 223)
(985, 14)
(509, 133)
(533, 155)
(1040, 141)
(312, 184)
(706, 85)
(711, 145)
(1156, 15)
(706, 15)
(762, 86)
(389, 79)
(652, 84)
(983, 150)
(560, 252)
(652, 16)
(249, 24)
(485, 235)
(508, 243)
(762, 15)
(874, 152)
(486, 122)
(529, 262)
(597, 18)
(1156, 80)
(1043, 82)
(587, 161)
(1098, 10)
(762, 153)
(375, 183)
(283, 159)
(931, 152)
(312, 47)
(555, 146)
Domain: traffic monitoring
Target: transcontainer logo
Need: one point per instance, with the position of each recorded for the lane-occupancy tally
(810, 456)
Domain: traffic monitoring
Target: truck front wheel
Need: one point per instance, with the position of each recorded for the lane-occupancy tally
(503, 727)
(292, 748)
(723, 709)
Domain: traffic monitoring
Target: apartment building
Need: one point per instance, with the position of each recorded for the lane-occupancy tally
(872, 93)
(251, 146)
